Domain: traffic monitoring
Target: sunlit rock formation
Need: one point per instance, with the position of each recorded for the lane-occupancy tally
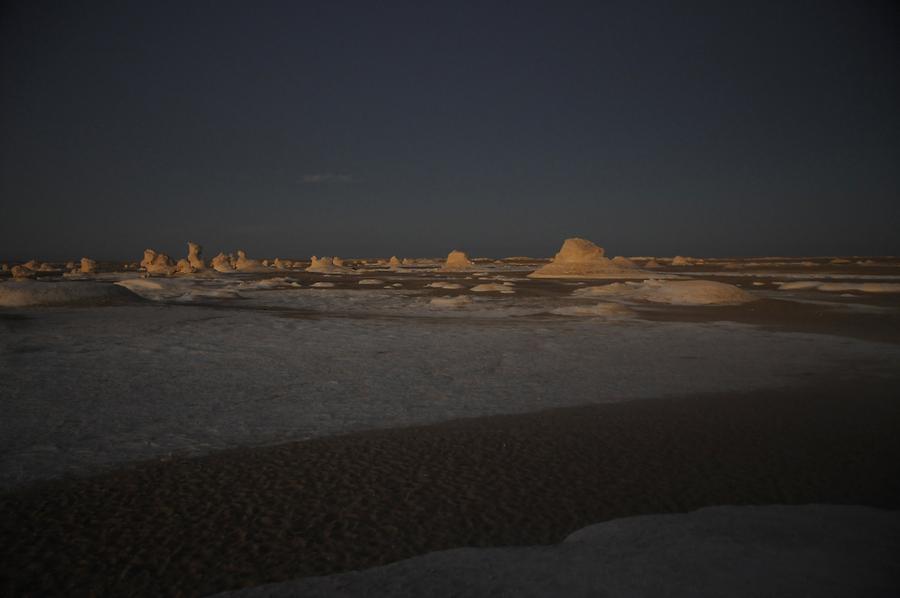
(223, 263)
(88, 266)
(157, 263)
(195, 257)
(326, 265)
(457, 260)
(184, 267)
(245, 264)
(579, 258)
(622, 262)
(21, 272)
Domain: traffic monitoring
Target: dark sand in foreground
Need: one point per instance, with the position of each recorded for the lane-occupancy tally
(244, 517)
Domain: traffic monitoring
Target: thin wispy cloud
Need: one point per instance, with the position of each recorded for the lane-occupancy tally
(327, 177)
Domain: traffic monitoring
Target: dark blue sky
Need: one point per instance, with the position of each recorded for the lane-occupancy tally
(351, 128)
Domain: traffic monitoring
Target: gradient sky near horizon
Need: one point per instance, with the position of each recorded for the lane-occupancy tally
(412, 128)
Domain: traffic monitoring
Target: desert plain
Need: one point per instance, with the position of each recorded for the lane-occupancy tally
(453, 425)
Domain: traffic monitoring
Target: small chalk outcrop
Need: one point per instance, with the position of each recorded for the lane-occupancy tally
(245, 264)
(840, 287)
(21, 272)
(605, 310)
(680, 260)
(651, 263)
(223, 263)
(492, 288)
(195, 257)
(580, 258)
(88, 266)
(280, 264)
(147, 260)
(184, 267)
(444, 285)
(158, 263)
(327, 265)
(395, 262)
(622, 262)
(451, 302)
(457, 260)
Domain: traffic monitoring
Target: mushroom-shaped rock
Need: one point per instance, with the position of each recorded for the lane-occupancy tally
(457, 260)
(195, 256)
(88, 266)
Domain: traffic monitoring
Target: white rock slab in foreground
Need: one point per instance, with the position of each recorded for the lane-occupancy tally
(812, 550)
(673, 292)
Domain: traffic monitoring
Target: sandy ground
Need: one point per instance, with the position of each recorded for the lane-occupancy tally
(238, 518)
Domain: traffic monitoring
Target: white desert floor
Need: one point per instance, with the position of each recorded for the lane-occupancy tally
(197, 364)
(117, 369)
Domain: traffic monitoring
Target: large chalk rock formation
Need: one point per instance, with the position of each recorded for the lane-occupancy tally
(457, 260)
(580, 258)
